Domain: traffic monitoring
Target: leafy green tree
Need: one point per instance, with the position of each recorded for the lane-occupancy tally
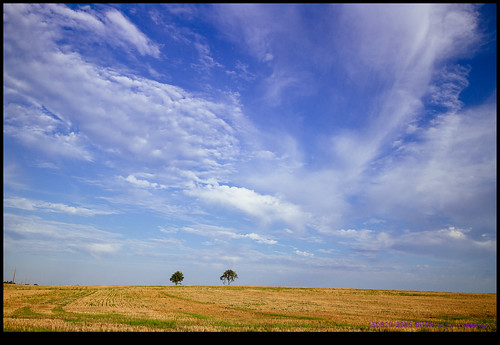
(228, 276)
(177, 277)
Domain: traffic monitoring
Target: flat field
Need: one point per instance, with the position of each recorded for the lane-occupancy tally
(34, 308)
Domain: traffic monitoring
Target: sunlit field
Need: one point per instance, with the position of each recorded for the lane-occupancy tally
(241, 309)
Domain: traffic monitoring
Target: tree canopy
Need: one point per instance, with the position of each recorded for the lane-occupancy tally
(177, 277)
(228, 276)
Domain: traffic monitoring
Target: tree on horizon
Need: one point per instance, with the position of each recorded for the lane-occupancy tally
(229, 276)
(177, 277)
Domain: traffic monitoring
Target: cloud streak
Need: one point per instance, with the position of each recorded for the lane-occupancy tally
(265, 208)
(220, 232)
(39, 235)
(34, 205)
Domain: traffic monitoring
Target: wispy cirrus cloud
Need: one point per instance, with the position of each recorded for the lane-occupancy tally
(216, 232)
(39, 235)
(442, 243)
(252, 22)
(143, 183)
(37, 127)
(94, 110)
(447, 170)
(403, 47)
(120, 26)
(452, 243)
(39, 205)
(111, 26)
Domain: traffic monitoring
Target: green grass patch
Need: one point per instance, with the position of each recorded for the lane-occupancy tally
(151, 323)
(26, 312)
(225, 324)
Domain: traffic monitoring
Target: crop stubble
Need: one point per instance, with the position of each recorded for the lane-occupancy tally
(236, 308)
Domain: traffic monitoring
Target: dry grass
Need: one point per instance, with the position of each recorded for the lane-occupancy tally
(239, 308)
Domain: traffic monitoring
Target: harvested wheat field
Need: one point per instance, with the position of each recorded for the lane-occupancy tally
(241, 309)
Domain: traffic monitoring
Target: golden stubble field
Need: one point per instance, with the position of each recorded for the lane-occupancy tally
(242, 309)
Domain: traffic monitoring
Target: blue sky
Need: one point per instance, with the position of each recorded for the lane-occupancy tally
(299, 145)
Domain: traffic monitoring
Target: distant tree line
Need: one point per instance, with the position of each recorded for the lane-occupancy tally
(227, 277)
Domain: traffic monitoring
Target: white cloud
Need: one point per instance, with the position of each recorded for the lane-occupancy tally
(248, 22)
(35, 205)
(364, 239)
(73, 18)
(205, 61)
(449, 170)
(258, 238)
(241, 72)
(121, 27)
(402, 45)
(264, 208)
(451, 81)
(99, 249)
(37, 235)
(143, 183)
(111, 28)
(404, 50)
(398, 38)
(447, 243)
(101, 111)
(451, 242)
(391, 51)
(303, 253)
(265, 155)
(223, 232)
(33, 127)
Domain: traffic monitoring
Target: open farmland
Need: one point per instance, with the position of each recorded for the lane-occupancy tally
(242, 308)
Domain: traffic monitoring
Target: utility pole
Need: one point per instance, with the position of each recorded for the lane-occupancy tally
(14, 277)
